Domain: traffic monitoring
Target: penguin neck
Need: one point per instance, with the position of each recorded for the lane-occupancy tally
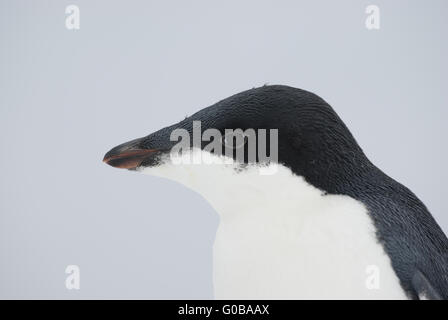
(234, 190)
(347, 176)
(239, 192)
(248, 194)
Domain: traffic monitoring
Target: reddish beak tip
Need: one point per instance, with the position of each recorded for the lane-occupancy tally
(126, 159)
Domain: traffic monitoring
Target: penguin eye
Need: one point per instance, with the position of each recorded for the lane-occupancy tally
(226, 140)
(234, 140)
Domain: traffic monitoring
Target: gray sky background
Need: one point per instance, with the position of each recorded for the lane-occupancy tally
(67, 97)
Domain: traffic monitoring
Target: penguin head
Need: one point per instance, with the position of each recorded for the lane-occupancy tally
(267, 125)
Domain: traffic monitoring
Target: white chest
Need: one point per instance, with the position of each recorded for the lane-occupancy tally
(331, 254)
(281, 238)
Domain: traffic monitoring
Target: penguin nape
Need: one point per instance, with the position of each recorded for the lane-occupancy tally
(311, 229)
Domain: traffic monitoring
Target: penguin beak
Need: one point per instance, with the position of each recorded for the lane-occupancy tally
(128, 155)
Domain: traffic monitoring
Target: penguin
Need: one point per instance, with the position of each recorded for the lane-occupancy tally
(326, 223)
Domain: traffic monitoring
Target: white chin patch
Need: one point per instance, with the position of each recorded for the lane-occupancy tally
(281, 238)
(196, 169)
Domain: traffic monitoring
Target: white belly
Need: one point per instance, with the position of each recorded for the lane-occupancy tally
(330, 252)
